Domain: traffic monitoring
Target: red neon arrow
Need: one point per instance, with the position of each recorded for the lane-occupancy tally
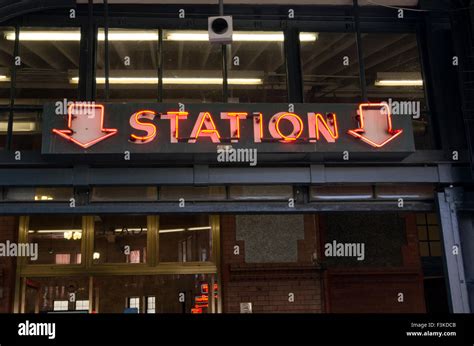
(373, 129)
(86, 127)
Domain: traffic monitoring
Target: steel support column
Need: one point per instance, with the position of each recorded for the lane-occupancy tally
(453, 257)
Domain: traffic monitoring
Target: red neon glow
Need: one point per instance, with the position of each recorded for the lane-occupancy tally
(205, 288)
(196, 311)
(234, 118)
(174, 118)
(257, 127)
(361, 131)
(314, 129)
(71, 135)
(296, 122)
(210, 130)
(149, 128)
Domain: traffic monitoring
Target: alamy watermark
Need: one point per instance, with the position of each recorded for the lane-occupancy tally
(336, 249)
(232, 155)
(37, 329)
(80, 107)
(411, 108)
(10, 249)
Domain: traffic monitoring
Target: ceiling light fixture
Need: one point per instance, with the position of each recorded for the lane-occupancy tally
(239, 36)
(399, 79)
(399, 82)
(175, 81)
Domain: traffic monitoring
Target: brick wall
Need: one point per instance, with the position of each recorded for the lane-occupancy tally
(268, 285)
(377, 289)
(8, 231)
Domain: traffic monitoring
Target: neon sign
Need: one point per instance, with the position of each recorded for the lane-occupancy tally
(85, 126)
(161, 128)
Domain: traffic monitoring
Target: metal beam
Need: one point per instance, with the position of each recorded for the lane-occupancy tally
(83, 175)
(453, 249)
(220, 207)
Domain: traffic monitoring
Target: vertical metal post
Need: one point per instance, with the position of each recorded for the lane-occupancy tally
(293, 65)
(453, 257)
(360, 52)
(160, 65)
(106, 48)
(225, 86)
(16, 52)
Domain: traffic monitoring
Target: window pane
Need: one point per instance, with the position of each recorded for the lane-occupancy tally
(164, 289)
(120, 239)
(421, 219)
(82, 304)
(261, 192)
(329, 63)
(432, 219)
(436, 248)
(192, 193)
(433, 232)
(422, 233)
(185, 238)
(39, 194)
(124, 193)
(257, 71)
(55, 235)
(424, 251)
(6, 60)
(133, 65)
(49, 64)
(60, 305)
(3, 129)
(393, 70)
(192, 67)
(53, 293)
(26, 131)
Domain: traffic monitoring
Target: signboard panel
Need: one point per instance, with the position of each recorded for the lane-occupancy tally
(160, 128)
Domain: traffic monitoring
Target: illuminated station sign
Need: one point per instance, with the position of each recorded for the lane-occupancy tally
(115, 128)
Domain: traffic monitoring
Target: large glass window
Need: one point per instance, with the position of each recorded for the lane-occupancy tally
(192, 67)
(185, 239)
(120, 239)
(330, 67)
(394, 75)
(171, 251)
(49, 65)
(257, 71)
(428, 235)
(156, 293)
(57, 294)
(58, 238)
(133, 65)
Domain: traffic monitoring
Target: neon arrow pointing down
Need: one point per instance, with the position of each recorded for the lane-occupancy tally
(86, 125)
(377, 131)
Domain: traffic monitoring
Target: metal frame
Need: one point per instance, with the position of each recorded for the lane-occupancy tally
(87, 268)
(449, 221)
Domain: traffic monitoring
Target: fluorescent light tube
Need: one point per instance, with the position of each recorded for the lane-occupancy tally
(199, 228)
(4, 78)
(58, 230)
(171, 230)
(239, 36)
(176, 80)
(399, 82)
(26, 35)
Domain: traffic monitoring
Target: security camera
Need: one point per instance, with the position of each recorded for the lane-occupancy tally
(220, 29)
